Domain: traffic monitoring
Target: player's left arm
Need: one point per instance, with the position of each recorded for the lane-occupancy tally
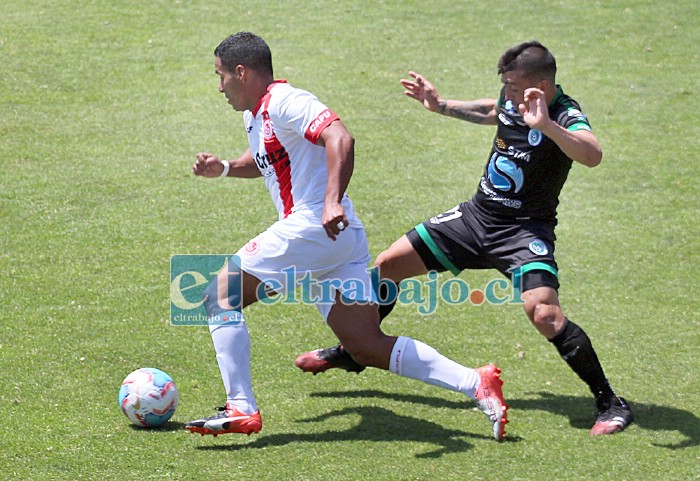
(581, 146)
(340, 155)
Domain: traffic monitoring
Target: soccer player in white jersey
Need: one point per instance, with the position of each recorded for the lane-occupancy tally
(305, 155)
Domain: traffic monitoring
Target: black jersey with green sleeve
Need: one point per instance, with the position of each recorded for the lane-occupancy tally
(526, 170)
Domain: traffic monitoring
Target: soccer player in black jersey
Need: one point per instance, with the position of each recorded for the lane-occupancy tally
(509, 223)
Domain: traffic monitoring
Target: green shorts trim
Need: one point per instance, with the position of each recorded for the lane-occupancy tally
(435, 250)
(517, 274)
(538, 266)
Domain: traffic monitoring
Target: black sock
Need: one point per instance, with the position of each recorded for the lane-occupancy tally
(385, 307)
(576, 349)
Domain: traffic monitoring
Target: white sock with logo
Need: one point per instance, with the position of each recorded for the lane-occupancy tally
(416, 360)
(232, 346)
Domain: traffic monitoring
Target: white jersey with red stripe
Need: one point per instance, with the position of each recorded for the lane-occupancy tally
(282, 131)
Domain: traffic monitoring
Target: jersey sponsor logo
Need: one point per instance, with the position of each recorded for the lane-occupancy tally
(514, 153)
(263, 163)
(268, 160)
(538, 247)
(319, 121)
(534, 137)
(518, 154)
(494, 196)
(504, 174)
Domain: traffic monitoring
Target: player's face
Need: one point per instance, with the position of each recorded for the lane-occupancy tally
(229, 85)
(516, 84)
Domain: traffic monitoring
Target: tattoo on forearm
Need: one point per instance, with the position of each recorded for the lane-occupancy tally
(470, 111)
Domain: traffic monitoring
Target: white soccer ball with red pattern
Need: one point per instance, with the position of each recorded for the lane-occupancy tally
(148, 397)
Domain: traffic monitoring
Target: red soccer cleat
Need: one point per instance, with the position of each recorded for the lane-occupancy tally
(229, 420)
(489, 398)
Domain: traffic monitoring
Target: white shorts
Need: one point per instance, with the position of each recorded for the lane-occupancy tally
(302, 264)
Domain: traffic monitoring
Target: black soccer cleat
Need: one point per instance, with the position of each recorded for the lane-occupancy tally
(613, 416)
(322, 360)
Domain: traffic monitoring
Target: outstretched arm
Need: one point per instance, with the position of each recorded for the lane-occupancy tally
(209, 165)
(581, 145)
(482, 111)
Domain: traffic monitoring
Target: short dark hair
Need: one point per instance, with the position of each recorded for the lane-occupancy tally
(532, 59)
(245, 48)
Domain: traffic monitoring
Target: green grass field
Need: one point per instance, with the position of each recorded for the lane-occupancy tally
(103, 106)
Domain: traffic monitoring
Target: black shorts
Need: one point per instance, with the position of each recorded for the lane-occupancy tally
(467, 238)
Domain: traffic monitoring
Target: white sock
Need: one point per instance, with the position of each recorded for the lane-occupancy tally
(232, 345)
(416, 360)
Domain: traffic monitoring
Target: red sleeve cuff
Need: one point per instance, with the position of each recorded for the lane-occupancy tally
(324, 119)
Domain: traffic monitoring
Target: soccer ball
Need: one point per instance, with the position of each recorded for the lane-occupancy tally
(148, 397)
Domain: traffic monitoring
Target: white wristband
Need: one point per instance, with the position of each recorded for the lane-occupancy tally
(227, 166)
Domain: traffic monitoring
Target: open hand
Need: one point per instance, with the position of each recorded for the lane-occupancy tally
(422, 90)
(534, 109)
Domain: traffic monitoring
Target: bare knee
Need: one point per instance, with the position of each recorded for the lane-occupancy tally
(544, 318)
(400, 261)
(545, 314)
(389, 267)
(384, 261)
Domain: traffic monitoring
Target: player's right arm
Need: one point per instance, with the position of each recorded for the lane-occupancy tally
(209, 165)
(482, 111)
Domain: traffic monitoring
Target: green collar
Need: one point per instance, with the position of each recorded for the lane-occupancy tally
(560, 93)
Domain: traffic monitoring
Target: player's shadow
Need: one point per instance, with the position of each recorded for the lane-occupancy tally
(167, 427)
(577, 409)
(376, 424)
(653, 417)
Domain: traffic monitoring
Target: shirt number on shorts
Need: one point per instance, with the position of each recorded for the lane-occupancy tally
(447, 216)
